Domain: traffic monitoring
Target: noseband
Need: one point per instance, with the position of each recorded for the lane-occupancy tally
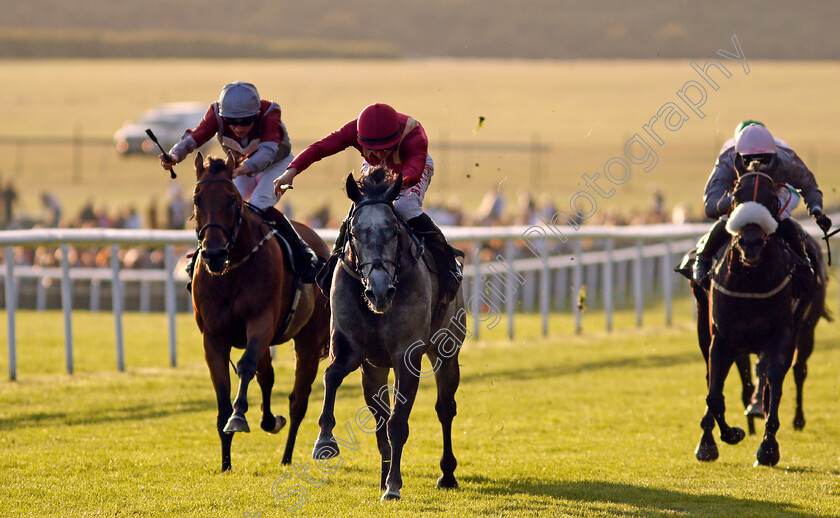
(229, 236)
(379, 262)
(755, 190)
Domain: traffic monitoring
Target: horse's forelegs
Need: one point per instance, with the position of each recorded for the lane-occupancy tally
(707, 449)
(406, 390)
(720, 361)
(220, 376)
(246, 368)
(306, 368)
(346, 360)
(447, 378)
(804, 348)
(374, 380)
(768, 451)
(265, 377)
(742, 362)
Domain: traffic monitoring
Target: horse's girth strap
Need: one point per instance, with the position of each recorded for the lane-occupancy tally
(747, 295)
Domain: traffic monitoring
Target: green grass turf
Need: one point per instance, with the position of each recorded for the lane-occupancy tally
(598, 424)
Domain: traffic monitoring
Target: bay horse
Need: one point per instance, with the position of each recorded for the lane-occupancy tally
(383, 299)
(752, 309)
(246, 296)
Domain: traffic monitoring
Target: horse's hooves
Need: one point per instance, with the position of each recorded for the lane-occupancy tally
(799, 423)
(389, 495)
(706, 452)
(447, 482)
(754, 410)
(325, 449)
(767, 454)
(279, 423)
(733, 436)
(236, 424)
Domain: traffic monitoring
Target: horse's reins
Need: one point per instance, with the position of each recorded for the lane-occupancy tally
(230, 236)
(380, 262)
(826, 234)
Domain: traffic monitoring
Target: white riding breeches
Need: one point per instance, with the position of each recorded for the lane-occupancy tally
(409, 204)
(258, 190)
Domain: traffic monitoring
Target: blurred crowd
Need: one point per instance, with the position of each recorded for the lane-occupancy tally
(173, 211)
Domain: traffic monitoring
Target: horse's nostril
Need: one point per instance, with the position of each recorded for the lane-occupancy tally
(369, 294)
(389, 293)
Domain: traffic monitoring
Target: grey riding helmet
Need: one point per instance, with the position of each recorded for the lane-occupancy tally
(239, 100)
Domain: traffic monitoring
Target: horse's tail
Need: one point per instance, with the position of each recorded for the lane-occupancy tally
(325, 350)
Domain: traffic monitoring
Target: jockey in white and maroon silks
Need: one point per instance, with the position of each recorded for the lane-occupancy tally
(754, 147)
(250, 129)
(397, 141)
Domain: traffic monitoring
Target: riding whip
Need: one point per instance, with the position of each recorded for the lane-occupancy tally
(165, 154)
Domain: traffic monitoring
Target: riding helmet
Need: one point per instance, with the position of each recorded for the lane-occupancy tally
(239, 100)
(378, 127)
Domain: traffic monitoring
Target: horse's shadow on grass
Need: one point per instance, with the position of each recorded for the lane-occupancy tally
(645, 501)
(553, 370)
(140, 412)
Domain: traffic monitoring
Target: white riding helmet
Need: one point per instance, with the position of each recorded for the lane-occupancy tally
(755, 140)
(239, 100)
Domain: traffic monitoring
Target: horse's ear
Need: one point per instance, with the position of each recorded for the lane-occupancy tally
(352, 188)
(395, 188)
(230, 163)
(199, 164)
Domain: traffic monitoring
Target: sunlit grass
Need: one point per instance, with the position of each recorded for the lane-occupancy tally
(597, 424)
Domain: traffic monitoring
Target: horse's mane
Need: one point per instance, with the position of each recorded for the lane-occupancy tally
(215, 165)
(376, 181)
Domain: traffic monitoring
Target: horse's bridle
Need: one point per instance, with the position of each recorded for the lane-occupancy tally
(755, 191)
(230, 236)
(379, 263)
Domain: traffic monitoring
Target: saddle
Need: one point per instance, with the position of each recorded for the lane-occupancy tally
(287, 243)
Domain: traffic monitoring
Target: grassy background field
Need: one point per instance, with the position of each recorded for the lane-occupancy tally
(583, 111)
(593, 425)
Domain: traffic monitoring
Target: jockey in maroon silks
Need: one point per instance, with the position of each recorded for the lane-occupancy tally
(754, 149)
(250, 129)
(397, 141)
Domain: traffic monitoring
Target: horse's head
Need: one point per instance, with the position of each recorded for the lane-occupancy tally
(751, 224)
(374, 232)
(757, 187)
(218, 210)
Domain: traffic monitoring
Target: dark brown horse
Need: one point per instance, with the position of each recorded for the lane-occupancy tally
(245, 296)
(384, 297)
(752, 309)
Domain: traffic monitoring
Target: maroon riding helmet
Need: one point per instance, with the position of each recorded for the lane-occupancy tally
(378, 127)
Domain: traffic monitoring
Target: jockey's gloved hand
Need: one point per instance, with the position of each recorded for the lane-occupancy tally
(823, 221)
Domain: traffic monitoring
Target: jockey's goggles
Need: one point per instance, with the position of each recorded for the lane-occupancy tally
(240, 121)
(762, 158)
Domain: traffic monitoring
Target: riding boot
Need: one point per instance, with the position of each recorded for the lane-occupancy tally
(325, 274)
(306, 262)
(190, 268)
(803, 271)
(708, 245)
(445, 256)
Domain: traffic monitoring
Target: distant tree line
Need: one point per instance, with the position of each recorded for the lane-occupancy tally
(29, 43)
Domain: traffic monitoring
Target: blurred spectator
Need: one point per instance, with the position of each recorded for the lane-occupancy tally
(176, 210)
(53, 208)
(151, 214)
(131, 218)
(8, 198)
(87, 214)
(321, 216)
(491, 209)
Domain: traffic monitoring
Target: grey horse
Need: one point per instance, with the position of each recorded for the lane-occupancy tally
(386, 315)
